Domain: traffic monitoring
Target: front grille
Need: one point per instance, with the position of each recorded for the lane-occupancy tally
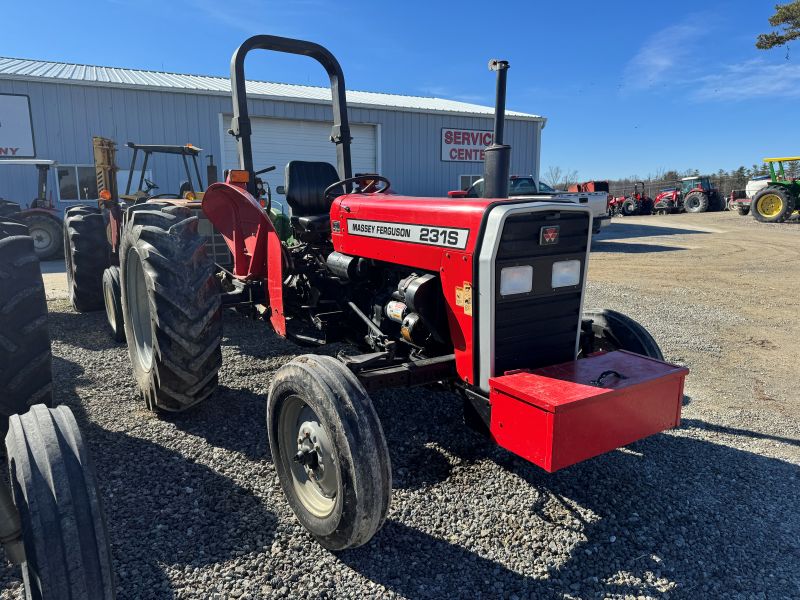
(215, 244)
(539, 328)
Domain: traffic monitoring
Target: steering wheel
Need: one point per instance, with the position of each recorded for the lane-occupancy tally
(370, 186)
(150, 185)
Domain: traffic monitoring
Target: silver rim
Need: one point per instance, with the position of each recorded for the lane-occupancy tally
(108, 294)
(307, 452)
(42, 240)
(139, 310)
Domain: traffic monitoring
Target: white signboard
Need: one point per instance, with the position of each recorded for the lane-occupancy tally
(465, 145)
(16, 127)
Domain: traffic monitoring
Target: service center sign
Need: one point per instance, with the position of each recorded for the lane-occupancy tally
(16, 127)
(465, 145)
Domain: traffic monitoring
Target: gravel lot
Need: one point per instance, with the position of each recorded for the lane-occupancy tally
(708, 510)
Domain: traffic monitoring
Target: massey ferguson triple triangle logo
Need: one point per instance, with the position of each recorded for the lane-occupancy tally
(548, 236)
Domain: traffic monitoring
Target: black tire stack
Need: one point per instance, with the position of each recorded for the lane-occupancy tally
(86, 254)
(172, 307)
(25, 359)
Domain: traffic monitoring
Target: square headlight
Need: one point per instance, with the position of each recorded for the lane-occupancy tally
(516, 280)
(566, 273)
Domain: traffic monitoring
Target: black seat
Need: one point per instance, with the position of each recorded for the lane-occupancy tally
(305, 186)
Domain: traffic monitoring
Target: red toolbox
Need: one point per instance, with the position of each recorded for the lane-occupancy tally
(561, 415)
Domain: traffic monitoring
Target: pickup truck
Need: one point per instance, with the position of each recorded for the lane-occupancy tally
(524, 186)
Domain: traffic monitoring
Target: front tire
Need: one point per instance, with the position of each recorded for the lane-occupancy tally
(695, 202)
(615, 331)
(86, 254)
(46, 233)
(25, 359)
(67, 553)
(329, 451)
(112, 298)
(630, 208)
(171, 306)
(743, 210)
(773, 204)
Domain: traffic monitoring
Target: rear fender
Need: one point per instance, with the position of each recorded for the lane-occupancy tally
(252, 240)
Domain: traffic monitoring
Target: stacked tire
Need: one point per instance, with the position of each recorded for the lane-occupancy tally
(25, 359)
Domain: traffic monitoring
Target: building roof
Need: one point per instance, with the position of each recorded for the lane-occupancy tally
(58, 72)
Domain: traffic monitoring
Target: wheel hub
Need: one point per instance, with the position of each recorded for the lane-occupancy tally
(770, 205)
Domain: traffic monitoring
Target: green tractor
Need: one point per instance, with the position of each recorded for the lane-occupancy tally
(776, 202)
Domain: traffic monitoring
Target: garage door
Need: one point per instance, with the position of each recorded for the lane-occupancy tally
(277, 141)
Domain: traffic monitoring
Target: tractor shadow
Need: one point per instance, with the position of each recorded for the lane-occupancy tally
(89, 331)
(673, 510)
(619, 229)
(631, 248)
(162, 507)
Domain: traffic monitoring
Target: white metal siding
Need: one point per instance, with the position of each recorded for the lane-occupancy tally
(277, 141)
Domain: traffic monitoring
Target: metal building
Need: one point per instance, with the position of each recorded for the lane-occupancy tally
(425, 146)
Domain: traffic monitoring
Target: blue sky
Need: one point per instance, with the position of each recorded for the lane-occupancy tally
(628, 88)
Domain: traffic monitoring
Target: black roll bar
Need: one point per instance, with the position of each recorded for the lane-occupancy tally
(240, 125)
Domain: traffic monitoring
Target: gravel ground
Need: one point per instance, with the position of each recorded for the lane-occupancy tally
(708, 510)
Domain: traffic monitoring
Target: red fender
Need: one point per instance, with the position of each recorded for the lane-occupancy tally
(252, 240)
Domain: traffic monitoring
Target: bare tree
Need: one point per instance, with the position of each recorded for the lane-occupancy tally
(552, 176)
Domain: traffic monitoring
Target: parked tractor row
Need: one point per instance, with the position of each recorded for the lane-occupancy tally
(480, 296)
(694, 195)
(773, 199)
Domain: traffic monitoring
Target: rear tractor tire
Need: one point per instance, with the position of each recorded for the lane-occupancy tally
(630, 208)
(773, 204)
(86, 254)
(112, 297)
(615, 331)
(171, 306)
(695, 202)
(67, 553)
(25, 359)
(46, 233)
(329, 451)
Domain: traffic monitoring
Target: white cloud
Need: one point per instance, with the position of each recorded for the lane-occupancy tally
(664, 53)
(748, 80)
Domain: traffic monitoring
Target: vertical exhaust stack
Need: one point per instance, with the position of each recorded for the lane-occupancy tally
(497, 164)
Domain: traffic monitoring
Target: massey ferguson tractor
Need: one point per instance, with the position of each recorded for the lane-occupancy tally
(483, 296)
(695, 195)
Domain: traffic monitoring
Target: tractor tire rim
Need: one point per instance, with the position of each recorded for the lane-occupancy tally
(42, 240)
(770, 205)
(108, 295)
(139, 310)
(307, 452)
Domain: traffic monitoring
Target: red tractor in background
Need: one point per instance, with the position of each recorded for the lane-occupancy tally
(637, 203)
(695, 195)
(481, 296)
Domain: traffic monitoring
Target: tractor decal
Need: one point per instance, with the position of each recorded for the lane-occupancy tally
(431, 235)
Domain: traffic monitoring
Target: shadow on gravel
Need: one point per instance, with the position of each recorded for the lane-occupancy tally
(89, 331)
(620, 230)
(628, 248)
(234, 419)
(162, 507)
(698, 424)
(674, 510)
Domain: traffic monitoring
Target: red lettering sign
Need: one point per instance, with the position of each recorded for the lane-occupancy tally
(465, 144)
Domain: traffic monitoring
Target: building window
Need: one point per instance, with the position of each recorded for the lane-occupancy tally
(76, 183)
(465, 181)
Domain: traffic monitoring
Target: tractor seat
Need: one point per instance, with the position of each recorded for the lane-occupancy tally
(305, 186)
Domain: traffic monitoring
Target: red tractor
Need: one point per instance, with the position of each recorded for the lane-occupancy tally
(483, 296)
(638, 203)
(695, 195)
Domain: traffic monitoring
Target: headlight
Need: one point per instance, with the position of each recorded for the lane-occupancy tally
(516, 280)
(565, 273)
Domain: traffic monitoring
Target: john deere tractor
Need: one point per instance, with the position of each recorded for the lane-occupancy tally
(776, 202)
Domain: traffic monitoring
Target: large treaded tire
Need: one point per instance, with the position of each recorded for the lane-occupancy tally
(25, 359)
(67, 554)
(788, 207)
(348, 418)
(172, 307)
(630, 208)
(615, 331)
(86, 255)
(45, 229)
(695, 202)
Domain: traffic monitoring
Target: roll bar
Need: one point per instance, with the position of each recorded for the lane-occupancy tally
(240, 125)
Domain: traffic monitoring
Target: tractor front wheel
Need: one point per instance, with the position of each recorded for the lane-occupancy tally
(46, 233)
(773, 204)
(171, 306)
(329, 451)
(695, 202)
(112, 297)
(630, 208)
(615, 331)
(67, 553)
